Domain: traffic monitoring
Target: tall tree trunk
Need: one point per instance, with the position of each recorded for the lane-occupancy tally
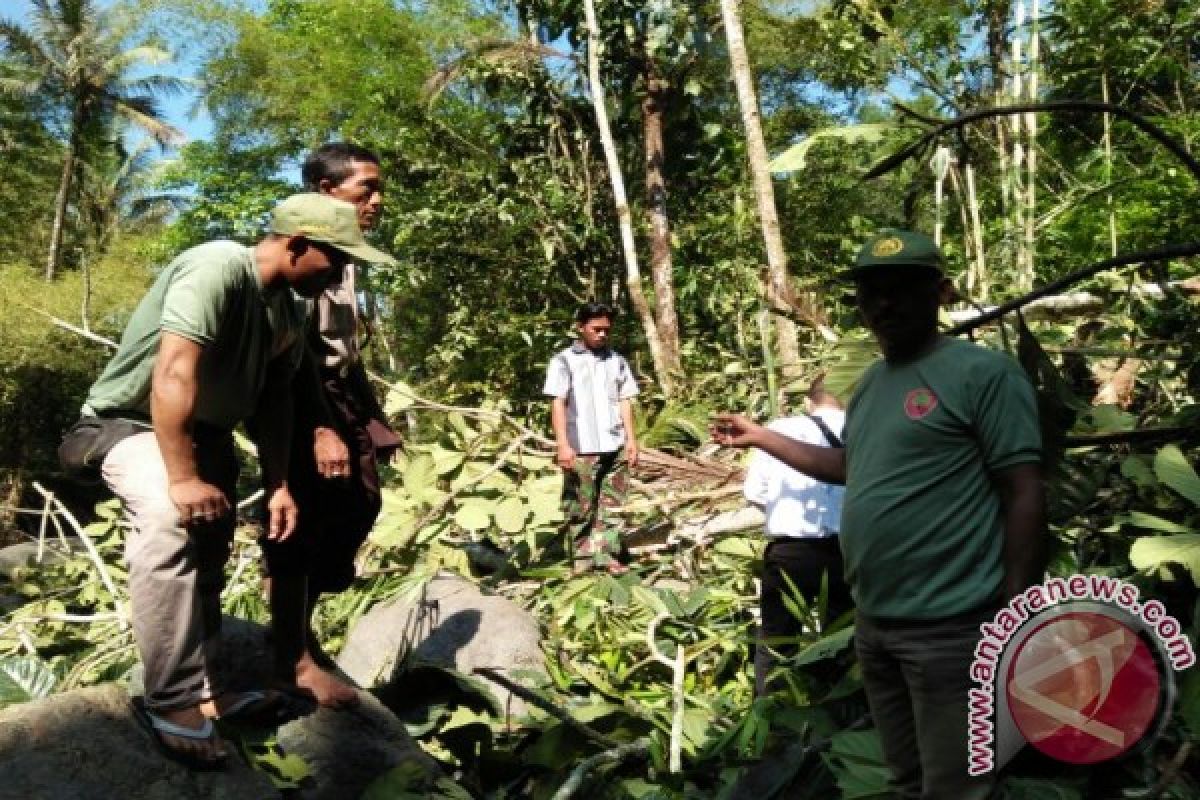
(633, 276)
(659, 223)
(1031, 132)
(997, 13)
(777, 290)
(60, 203)
(1108, 167)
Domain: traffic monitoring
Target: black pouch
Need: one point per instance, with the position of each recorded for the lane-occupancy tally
(87, 442)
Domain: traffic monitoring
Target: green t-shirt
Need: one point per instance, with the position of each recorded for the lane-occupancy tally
(211, 295)
(922, 527)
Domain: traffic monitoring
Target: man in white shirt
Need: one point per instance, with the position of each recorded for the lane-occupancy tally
(591, 411)
(803, 519)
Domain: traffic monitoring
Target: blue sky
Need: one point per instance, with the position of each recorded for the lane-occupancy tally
(178, 110)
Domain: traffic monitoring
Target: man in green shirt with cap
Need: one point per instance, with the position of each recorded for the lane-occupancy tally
(213, 343)
(943, 514)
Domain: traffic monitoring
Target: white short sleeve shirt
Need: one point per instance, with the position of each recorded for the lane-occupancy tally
(594, 384)
(796, 505)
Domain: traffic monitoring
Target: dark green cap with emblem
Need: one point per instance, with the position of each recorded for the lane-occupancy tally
(890, 249)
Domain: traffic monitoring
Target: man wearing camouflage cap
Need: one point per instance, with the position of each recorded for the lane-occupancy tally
(213, 343)
(943, 513)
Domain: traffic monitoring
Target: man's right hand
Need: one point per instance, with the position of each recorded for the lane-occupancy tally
(198, 501)
(331, 454)
(734, 430)
(565, 457)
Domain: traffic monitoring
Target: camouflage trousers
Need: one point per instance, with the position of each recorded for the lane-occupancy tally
(597, 483)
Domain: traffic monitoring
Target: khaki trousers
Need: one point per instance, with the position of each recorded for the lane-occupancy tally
(175, 573)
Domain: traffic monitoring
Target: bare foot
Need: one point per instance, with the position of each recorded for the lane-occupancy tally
(211, 750)
(327, 688)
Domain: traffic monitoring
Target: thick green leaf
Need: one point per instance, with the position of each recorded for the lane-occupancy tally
(1109, 419)
(795, 157)
(1173, 469)
(400, 397)
(1138, 470)
(474, 514)
(851, 357)
(826, 647)
(420, 477)
(262, 751)
(739, 546)
(856, 759)
(410, 781)
(25, 678)
(1151, 552)
(511, 515)
(1151, 522)
(446, 461)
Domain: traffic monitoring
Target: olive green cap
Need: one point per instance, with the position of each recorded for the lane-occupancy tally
(891, 248)
(321, 218)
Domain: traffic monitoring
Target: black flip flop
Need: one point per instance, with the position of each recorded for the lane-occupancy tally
(156, 726)
(258, 708)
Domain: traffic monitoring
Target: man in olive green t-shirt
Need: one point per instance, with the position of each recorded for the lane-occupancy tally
(942, 520)
(211, 344)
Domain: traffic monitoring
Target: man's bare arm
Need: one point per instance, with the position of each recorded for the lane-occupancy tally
(825, 464)
(565, 457)
(274, 424)
(1023, 498)
(173, 390)
(631, 446)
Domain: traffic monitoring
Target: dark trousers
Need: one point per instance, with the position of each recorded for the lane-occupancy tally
(917, 675)
(336, 514)
(805, 562)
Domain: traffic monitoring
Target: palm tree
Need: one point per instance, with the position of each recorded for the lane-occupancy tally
(75, 56)
(116, 189)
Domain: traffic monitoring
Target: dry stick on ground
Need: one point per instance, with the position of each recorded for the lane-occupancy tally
(626, 752)
(678, 667)
(105, 578)
(61, 323)
(533, 698)
(1129, 437)
(466, 411)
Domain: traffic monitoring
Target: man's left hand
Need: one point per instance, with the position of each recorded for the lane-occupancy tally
(631, 454)
(281, 515)
(331, 454)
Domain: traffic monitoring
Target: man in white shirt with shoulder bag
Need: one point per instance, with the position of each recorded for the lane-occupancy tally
(803, 519)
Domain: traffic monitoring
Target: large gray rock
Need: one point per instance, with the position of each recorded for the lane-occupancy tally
(448, 623)
(345, 750)
(87, 745)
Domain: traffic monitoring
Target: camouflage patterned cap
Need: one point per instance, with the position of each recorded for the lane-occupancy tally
(321, 218)
(895, 248)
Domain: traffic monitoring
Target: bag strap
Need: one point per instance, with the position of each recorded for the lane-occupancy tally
(830, 436)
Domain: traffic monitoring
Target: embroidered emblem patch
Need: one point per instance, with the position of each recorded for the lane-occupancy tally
(919, 402)
(887, 247)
